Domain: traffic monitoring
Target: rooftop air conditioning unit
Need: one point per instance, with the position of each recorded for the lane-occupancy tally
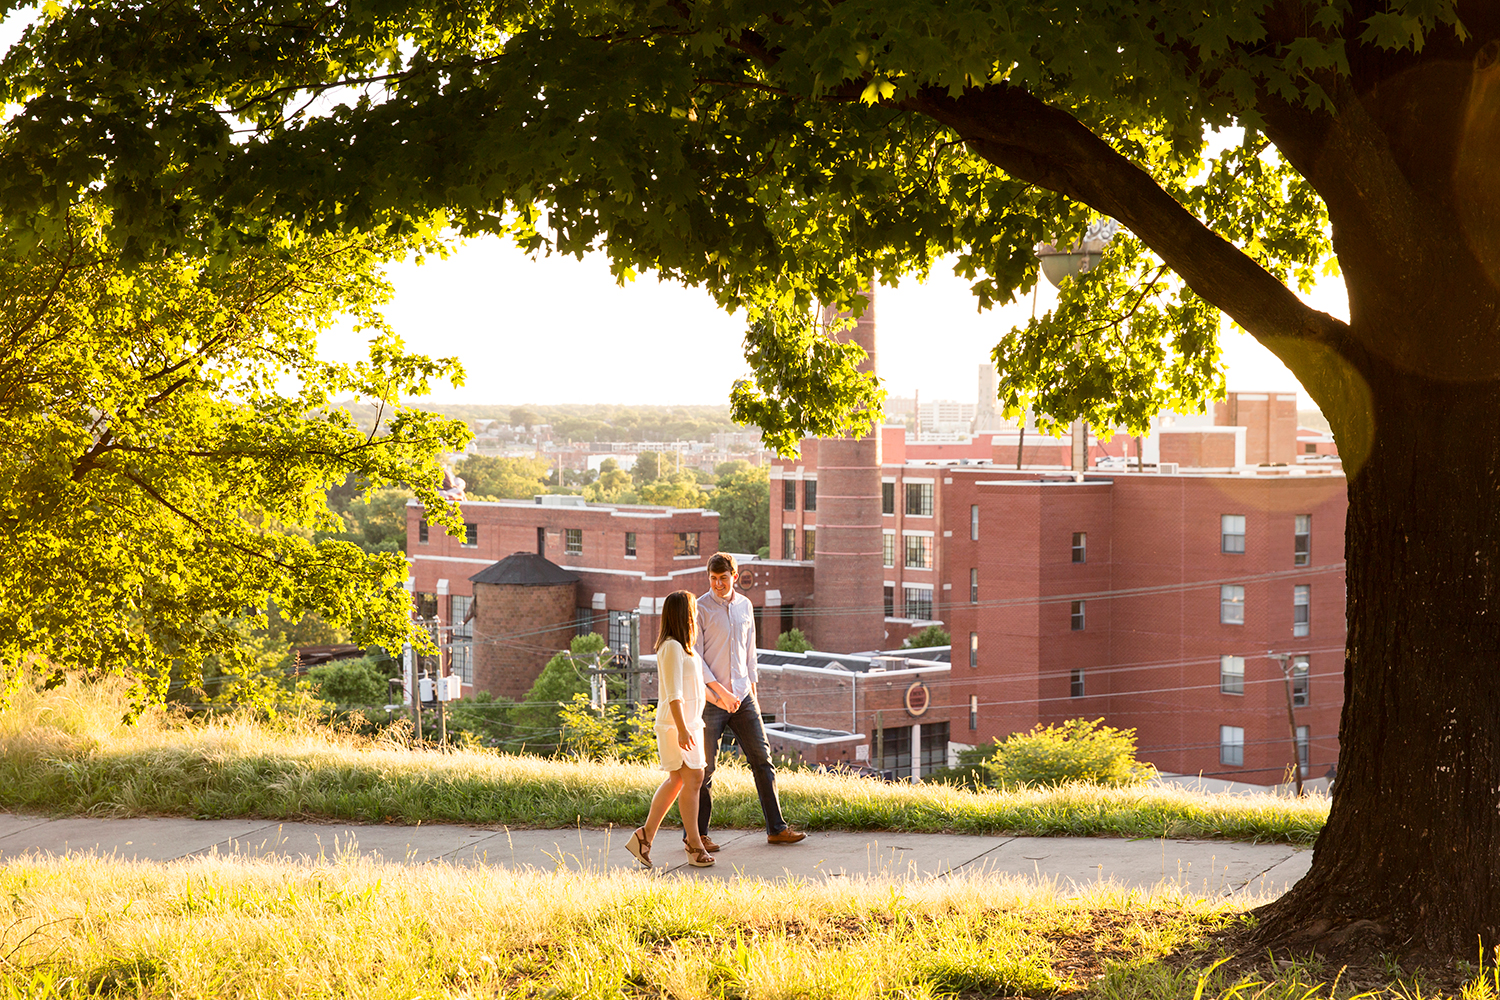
(1167, 468)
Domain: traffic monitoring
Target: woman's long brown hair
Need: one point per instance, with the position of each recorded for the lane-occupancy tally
(679, 620)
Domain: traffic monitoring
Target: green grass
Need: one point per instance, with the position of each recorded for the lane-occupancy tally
(346, 927)
(67, 752)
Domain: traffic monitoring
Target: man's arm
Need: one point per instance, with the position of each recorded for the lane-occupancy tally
(752, 666)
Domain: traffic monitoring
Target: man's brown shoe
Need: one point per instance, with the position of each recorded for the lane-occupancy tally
(708, 845)
(787, 836)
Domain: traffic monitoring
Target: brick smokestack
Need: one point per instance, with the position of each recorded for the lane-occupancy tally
(848, 589)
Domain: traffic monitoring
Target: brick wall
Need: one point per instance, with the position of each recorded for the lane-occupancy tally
(506, 661)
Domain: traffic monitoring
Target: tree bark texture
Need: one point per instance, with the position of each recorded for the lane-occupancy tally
(1410, 859)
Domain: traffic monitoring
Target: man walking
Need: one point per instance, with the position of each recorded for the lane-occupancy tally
(726, 631)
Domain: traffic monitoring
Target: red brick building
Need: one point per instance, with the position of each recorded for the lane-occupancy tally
(1152, 600)
(625, 558)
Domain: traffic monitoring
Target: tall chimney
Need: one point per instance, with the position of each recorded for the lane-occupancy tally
(848, 587)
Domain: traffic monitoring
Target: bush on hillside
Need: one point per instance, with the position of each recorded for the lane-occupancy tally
(1076, 750)
(616, 733)
(793, 641)
(537, 721)
(352, 684)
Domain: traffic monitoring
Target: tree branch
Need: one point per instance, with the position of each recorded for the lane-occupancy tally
(1035, 142)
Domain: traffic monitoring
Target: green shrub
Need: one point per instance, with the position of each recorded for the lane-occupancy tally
(793, 641)
(352, 684)
(616, 733)
(1077, 750)
(932, 635)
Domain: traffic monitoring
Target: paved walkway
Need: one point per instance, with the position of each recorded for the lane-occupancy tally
(1210, 868)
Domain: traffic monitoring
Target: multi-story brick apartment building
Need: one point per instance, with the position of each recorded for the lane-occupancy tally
(1154, 601)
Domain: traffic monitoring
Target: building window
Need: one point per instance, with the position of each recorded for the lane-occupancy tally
(630, 543)
(1231, 675)
(422, 531)
(573, 538)
(1301, 609)
(973, 649)
(426, 606)
(541, 541)
(810, 494)
(687, 544)
(808, 537)
(788, 543)
(888, 549)
(974, 585)
(934, 747)
(1080, 546)
(918, 603)
(583, 621)
(1232, 745)
(1232, 604)
(973, 711)
(890, 602)
(1076, 616)
(1304, 748)
(1310, 448)
(918, 552)
(789, 494)
(1075, 683)
(619, 631)
(462, 637)
(919, 499)
(1302, 540)
(974, 522)
(1301, 682)
(1232, 533)
(887, 498)
(471, 535)
(892, 750)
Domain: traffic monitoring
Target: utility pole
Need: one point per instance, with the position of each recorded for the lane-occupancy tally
(415, 688)
(633, 670)
(1286, 661)
(440, 691)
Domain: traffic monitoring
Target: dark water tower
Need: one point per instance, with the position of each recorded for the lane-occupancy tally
(524, 613)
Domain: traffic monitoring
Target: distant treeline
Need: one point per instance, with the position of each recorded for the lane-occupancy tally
(607, 422)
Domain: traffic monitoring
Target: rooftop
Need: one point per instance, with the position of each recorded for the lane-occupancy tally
(525, 569)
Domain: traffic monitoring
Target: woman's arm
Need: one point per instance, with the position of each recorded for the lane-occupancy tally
(669, 665)
(684, 734)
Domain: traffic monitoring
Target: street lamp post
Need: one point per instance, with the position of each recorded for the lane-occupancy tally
(1287, 661)
(1058, 263)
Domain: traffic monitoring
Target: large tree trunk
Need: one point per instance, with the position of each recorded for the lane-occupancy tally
(1410, 859)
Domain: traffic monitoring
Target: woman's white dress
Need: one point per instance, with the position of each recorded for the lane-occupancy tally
(679, 678)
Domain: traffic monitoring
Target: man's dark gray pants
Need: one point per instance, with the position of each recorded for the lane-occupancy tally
(750, 734)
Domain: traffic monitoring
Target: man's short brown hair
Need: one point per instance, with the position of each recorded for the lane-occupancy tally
(722, 562)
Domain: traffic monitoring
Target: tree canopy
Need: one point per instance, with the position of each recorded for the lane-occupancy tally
(170, 445)
(782, 155)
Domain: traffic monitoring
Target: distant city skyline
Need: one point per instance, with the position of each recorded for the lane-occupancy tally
(559, 330)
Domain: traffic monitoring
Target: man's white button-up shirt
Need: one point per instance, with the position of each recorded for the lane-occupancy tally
(726, 641)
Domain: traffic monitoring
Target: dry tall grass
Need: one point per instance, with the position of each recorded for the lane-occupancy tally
(68, 751)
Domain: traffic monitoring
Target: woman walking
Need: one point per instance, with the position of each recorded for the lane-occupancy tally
(679, 730)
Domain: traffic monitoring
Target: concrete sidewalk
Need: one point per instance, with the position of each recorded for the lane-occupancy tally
(1208, 868)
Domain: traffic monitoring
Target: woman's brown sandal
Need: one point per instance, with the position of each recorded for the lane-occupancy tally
(640, 846)
(698, 857)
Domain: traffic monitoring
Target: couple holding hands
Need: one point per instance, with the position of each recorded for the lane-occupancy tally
(706, 674)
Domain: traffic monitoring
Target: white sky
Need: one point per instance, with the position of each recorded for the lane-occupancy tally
(557, 330)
